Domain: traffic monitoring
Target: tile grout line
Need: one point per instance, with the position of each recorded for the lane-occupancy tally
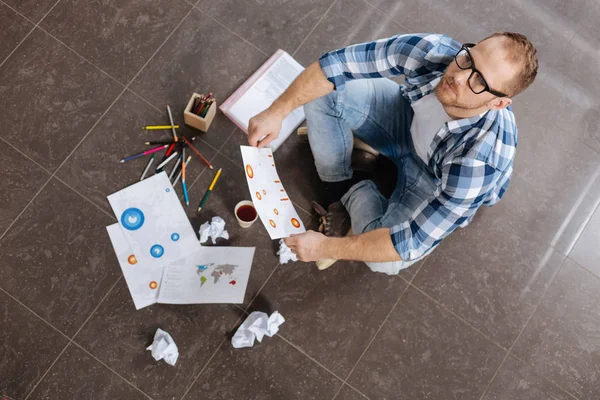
(111, 216)
(262, 287)
(35, 25)
(459, 317)
(524, 326)
(125, 88)
(314, 27)
(226, 27)
(110, 369)
(34, 313)
(25, 208)
(71, 338)
(209, 360)
(310, 357)
(374, 337)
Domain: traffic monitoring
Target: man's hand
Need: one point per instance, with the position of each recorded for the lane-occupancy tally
(263, 128)
(308, 246)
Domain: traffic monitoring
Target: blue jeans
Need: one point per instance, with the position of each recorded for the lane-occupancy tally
(376, 113)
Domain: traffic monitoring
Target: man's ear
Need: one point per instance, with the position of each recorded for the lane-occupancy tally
(499, 103)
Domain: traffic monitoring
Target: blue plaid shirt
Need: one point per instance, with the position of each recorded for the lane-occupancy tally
(471, 158)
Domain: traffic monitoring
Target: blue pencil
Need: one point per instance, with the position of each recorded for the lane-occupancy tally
(185, 193)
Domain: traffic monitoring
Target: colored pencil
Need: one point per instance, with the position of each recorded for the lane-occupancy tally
(162, 164)
(191, 146)
(210, 188)
(170, 149)
(150, 161)
(172, 124)
(158, 127)
(172, 174)
(157, 142)
(185, 193)
(179, 174)
(144, 153)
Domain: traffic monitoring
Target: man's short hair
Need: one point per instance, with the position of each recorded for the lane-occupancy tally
(520, 51)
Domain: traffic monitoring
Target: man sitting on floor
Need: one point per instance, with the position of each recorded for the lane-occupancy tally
(449, 130)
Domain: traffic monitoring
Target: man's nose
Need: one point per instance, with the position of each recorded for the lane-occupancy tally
(462, 76)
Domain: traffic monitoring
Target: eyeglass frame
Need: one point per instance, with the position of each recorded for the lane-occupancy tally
(466, 47)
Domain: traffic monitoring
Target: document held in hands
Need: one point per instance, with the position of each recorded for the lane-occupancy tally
(261, 90)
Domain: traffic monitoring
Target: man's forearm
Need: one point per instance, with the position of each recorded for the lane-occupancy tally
(308, 86)
(373, 246)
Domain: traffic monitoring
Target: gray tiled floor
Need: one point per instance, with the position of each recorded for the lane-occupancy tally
(505, 309)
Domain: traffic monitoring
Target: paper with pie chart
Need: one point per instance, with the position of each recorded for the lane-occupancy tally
(210, 275)
(153, 221)
(143, 282)
(270, 199)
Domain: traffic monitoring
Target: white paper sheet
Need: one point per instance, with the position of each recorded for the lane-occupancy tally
(270, 199)
(210, 275)
(264, 91)
(143, 281)
(154, 222)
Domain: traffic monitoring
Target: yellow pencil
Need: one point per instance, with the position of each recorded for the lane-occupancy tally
(157, 127)
(210, 188)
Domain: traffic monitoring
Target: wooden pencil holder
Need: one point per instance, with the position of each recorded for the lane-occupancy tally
(197, 121)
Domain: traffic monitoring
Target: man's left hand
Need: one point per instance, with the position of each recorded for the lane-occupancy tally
(308, 246)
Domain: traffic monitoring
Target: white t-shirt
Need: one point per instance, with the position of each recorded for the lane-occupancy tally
(428, 119)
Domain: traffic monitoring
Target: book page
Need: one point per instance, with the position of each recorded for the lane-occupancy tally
(270, 199)
(267, 88)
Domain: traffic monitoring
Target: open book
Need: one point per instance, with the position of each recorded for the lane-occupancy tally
(261, 90)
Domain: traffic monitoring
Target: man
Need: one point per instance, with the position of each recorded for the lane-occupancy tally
(450, 131)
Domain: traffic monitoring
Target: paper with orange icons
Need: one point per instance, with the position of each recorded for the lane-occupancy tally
(270, 199)
(142, 280)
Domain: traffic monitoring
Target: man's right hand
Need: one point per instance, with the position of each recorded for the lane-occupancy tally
(263, 128)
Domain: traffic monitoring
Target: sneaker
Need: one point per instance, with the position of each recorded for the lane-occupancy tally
(334, 222)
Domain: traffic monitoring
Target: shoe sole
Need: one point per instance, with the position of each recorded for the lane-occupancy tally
(324, 264)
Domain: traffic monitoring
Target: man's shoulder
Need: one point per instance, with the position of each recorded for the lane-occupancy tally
(496, 134)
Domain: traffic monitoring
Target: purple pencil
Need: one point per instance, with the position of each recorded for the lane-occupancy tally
(145, 153)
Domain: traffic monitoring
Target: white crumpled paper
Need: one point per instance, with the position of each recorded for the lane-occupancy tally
(214, 229)
(256, 326)
(285, 253)
(164, 347)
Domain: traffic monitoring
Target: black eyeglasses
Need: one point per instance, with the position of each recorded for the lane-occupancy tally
(476, 81)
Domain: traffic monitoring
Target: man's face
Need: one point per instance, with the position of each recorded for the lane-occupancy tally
(489, 58)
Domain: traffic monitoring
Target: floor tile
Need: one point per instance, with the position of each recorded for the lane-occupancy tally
(25, 354)
(229, 190)
(233, 373)
(284, 26)
(424, 352)
(535, 205)
(561, 339)
(94, 169)
(14, 29)
(76, 375)
(490, 276)
(347, 393)
(48, 110)
(119, 37)
(586, 251)
(333, 314)
(347, 22)
(118, 335)
(295, 166)
(431, 16)
(60, 252)
(20, 180)
(32, 9)
(516, 380)
(200, 57)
